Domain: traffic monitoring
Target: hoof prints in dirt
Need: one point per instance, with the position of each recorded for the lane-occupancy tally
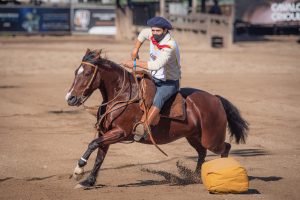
(186, 177)
(57, 112)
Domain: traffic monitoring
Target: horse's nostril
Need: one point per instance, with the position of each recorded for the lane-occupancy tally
(72, 100)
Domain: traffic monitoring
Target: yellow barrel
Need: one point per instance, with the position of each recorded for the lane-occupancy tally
(224, 175)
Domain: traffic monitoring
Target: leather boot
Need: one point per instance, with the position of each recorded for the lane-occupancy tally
(153, 119)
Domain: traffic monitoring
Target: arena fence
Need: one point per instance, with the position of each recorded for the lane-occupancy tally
(197, 28)
(205, 27)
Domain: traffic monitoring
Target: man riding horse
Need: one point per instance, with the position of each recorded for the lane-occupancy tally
(206, 115)
(164, 66)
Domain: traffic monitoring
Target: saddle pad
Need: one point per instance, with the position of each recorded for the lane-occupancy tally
(174, 108)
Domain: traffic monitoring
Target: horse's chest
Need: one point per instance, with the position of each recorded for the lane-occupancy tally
(124, 118)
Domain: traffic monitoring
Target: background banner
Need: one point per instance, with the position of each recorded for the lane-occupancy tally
(100, 21)
(268, 12)
(35, 20)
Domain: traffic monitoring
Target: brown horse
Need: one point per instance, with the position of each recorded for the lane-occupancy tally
(204, 127)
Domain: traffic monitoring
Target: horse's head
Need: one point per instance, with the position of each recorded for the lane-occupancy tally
(87, 79)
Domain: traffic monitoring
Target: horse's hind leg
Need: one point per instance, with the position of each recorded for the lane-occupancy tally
(222, 149)
(195, 142)
(226, 150)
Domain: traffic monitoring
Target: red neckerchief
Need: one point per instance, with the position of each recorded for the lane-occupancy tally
(158, 45)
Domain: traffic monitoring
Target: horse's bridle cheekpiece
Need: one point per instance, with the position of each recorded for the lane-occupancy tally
(91, 80)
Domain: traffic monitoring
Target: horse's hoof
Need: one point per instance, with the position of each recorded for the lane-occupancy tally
(78, 173)
(88, 183)
(226, 151)
(77, 177)
(79, 186)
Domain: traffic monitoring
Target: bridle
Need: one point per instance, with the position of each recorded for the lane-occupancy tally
(85, 97)
(118, 104)
(114, 106)
(93, 77)
(96, 69)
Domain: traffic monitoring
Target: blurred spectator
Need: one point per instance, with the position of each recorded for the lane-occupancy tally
(215, 9)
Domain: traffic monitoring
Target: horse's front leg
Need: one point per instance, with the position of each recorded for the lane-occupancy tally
(103, 142)
(91, 179)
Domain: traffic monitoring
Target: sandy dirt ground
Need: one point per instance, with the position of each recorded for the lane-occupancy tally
(41, 138)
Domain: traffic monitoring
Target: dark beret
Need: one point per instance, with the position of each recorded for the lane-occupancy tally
(159, 22)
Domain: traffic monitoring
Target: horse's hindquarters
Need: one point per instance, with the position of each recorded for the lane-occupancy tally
(212, 119)
(206, 120)
(169, 130)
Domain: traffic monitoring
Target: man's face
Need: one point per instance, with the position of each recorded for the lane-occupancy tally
(157, 31)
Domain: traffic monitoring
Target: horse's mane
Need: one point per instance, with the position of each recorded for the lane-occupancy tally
(95, 57)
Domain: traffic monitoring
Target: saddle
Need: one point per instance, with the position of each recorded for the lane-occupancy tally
(174, 108)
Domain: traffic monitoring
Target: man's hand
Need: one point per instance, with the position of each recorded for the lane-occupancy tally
(135, 54)
(128, 64)
(139, 64)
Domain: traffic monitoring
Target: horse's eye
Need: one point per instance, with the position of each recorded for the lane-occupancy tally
(87, 73)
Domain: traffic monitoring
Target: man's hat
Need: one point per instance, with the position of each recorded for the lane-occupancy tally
(159, 22)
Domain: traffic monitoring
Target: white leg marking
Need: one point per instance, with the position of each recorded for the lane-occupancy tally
(78, 173)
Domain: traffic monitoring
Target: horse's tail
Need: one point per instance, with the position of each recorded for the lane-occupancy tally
(238, 126)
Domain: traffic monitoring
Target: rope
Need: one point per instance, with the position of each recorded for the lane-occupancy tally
(146, 110)
(124, 103)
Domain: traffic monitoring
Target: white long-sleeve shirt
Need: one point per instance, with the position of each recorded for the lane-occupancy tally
(164, 63)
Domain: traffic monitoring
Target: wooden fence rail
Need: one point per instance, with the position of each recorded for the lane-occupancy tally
(195, 27)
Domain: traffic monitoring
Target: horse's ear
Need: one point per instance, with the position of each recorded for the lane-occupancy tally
(87, 51)
(105, 55)
(98, 54)
(100, 51)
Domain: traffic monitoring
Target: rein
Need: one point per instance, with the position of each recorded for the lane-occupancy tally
(114, 106)
(92, 80)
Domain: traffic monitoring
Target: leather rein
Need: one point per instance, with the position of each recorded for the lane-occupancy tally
(113, 106)
(118, 104)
